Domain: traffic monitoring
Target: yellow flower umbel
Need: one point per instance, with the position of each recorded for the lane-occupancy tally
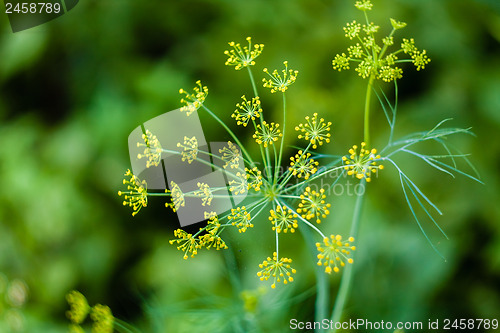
(254, 178)
(334, 253)
(205, 193)
(103, 319)
(278, 82)
(267, 134)
(362, 165)
(364, 5)
(278, 270)
(247, 110)
(241, 57)
(177, 197)
(313, 205)
(240, 218)
(283, 219)
(372, 57)
(152, 149)
(190, 151)
(137, 194)
(187, 242)
(194, 100)
(213, 224)
(302, 165)
(240, 185)
(230, 155)
(79, 307)
(315, 131)
(210, 240)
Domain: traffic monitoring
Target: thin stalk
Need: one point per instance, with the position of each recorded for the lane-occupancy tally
(124, 327)
(322, 285)
(228, 130)
(367, 110)
(282, 138)
(345, 283)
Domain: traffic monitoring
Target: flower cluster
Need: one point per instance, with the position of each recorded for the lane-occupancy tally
(240, 218)
(303, 165)
(334, 253)
(373, 60)
(136, 195)
(266, 134)
(280, 82)
(152, 149)
(241, 57)
(314, 130)
(230, 155)
(278, 270)
(283, 219)
(247, 110)
(193, 101)
(101, 315)
(190, 152)
(362, 164)
(312, 205)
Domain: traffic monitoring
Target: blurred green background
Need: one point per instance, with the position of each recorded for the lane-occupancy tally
(74, 88)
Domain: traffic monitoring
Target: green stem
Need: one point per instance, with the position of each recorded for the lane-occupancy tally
(122, 326)
(228, 130)
(367, 110)
(253, 82)
(267, 166)
(276, 176)
(322, 286)
(345, 283)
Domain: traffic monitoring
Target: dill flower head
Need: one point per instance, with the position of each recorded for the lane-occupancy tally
(302, 165)
(280, 82)
(152, 149)
(213, 224)
(103, 319)
(362, 164)
(187, 243)
(419, 58)
(364, 5)
(313, 205)
(176, 196)
(278, 270)
(333, 253)
(240, 218)
(373, 60)
(352, 29)
(283, 219)
(190, 151)
(194, 100)
(79, 307)
(267, 134)
(314, 130)
(240, 57)
(254, 178)
(247, 110)
(230, 155)
(239, 185)
(205, 193)
(211, 240)
(136, 195)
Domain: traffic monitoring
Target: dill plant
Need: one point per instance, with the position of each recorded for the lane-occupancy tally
(288, 200)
